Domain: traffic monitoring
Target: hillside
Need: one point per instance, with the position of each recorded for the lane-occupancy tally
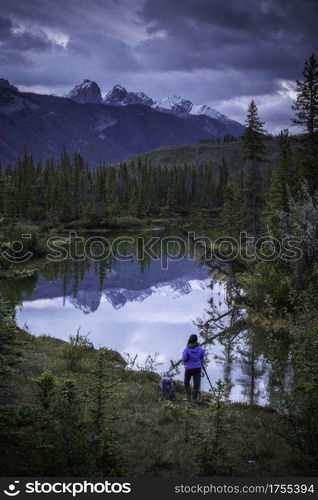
(100, 132)
(54, 434)
(203, 153)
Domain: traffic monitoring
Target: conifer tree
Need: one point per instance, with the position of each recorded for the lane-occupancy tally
(253, 151)
(282, 184)
(9, 345)
(103, 436)
(306, 116)
(229, 209)
(223, 178)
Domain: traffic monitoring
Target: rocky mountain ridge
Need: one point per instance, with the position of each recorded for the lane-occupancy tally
(123, 125)
(89, 92)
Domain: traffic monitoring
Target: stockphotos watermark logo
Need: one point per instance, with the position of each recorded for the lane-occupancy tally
(64, 487)
(99, 248)
(12, 490)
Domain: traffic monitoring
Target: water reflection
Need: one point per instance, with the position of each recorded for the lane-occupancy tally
(136, 312)
(123, 283)
(140, 308)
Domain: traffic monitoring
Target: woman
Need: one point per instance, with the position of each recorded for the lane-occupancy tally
(193, 357)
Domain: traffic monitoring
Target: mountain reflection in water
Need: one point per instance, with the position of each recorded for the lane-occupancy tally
(139, 310)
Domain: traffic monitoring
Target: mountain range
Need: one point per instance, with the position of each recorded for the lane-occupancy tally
(103, 130)
(89, 92)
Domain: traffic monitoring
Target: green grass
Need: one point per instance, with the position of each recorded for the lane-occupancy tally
(162, 438)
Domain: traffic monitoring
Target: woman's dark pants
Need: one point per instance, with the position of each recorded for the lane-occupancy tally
(188, 374)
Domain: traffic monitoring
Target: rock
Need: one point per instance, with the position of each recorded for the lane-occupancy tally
(5, 84)
(86, 92)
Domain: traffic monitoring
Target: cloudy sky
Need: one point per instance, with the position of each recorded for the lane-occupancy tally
(217, 52)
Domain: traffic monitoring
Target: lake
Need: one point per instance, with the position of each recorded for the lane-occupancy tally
(138, 307)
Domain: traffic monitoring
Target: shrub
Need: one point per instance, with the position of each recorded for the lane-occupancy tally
(75, 349)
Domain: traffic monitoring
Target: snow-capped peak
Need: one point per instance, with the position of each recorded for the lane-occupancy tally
(118, 95)
(176, 104)
(203, 109)
(119, 87)
(86, 92)
(89, 91)
(86, 84)
(179, 105)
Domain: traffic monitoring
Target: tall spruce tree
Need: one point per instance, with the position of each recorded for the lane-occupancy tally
(223, 178)
(229, 210)
(306, 116)
(282, 184)
(9, 345)
(253, 151)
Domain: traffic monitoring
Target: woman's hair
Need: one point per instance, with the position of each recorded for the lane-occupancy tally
(193, 338)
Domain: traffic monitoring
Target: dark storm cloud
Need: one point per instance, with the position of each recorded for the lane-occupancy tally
(6, 26)
(249, 46)
(222, 52)
(271, 36)
(107, 51)
(16, 39)
(17, 42)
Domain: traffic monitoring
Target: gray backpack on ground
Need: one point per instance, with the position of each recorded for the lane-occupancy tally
(167, 389)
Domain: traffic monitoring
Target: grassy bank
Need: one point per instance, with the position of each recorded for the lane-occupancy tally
(151, 437)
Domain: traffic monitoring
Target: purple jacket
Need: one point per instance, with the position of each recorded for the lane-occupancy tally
(193, 356)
